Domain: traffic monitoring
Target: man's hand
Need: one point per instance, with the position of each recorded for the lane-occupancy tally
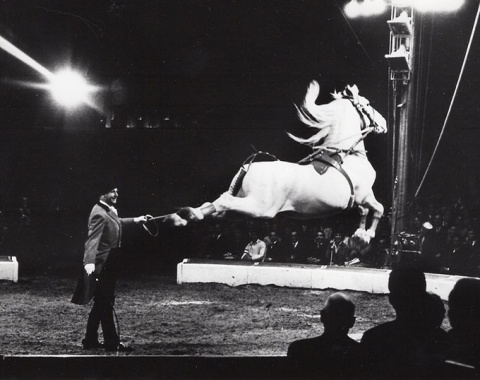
(89, 268)
(142, 219)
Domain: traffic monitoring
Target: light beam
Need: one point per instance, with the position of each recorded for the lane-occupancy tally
(17, 53)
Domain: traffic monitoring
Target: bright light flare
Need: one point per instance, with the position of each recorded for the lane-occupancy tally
(70, 89)
(438, 5)
(365, 8)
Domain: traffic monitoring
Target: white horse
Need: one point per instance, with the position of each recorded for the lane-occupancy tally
(264, 189)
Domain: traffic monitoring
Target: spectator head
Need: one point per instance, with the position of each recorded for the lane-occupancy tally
(338, 237)
(464, 309)
(456, 241)
(273, 236)
(437, 220)
(433, 311)
(407, 286)
(320, 236)
(452, 231)
(294, 236)
(338, 313)
(407, 280)
(471, 236)
(417, 222)
(383, 243)
(218, 228)
(253, 235)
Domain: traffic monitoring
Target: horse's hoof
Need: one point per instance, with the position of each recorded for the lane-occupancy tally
(361, 237)
(176, 220)
(186, 213)
(190, 214)
(371, 233)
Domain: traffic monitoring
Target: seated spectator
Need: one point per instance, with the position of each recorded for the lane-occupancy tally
(275, 249)
(403, 348)
(328, 231)
(361, 257)
(451, 233)
(337, 251)
(383, 256)
(318, 252)
(416, 226)
(296, 249)
(464, 316)
(255, 249)
(432, 315)
(216, 243)
(432, 248)
(473, 261)
(239, 240)
(333, 353)
(456, 259)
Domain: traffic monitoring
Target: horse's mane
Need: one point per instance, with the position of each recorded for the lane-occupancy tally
(322, 117)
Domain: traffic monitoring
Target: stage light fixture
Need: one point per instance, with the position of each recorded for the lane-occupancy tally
(401, 25)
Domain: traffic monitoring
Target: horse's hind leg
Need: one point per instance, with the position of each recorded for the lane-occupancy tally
(249, 206)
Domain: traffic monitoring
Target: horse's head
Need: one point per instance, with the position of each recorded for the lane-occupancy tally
(370, 117)
(336, 121)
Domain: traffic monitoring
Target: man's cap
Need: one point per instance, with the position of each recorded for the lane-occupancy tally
(427, 225)
(103, 183)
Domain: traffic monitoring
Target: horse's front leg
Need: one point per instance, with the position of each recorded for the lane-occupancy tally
(363, 217)
(371, 204)
(361, 234)
(378, 210)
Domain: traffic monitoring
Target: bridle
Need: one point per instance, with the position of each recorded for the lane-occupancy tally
(364, 111)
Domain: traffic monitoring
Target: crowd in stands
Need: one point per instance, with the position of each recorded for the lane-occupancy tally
(288, 241)
(439, 238)
(413, 345)
(447, 237)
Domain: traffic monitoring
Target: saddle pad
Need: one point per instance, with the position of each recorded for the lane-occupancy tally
(322, 166)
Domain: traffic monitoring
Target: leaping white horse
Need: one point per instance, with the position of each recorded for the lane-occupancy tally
(264, 189)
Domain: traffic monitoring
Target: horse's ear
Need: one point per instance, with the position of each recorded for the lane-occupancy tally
(352, 90)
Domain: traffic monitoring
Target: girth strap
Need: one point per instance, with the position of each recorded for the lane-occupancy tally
(332, 162)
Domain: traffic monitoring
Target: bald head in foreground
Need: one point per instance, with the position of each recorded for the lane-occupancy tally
(333, 352)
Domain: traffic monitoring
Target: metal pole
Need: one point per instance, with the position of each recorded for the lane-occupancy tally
(403, 94)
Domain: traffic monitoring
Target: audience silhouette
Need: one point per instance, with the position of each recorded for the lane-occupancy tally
(411, 345)
(464, 316)
(333, 353)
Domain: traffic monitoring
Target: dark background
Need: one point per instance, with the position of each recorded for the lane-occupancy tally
(218, 79)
